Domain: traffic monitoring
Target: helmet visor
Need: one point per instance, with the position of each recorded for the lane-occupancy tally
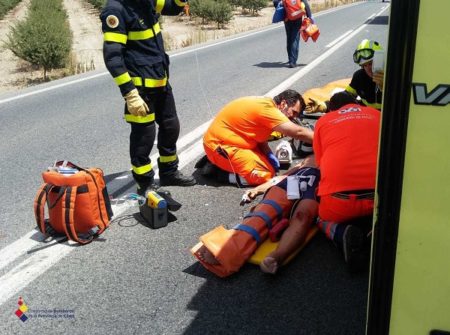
(363, 55)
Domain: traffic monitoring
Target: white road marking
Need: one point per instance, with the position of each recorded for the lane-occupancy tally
(43, 259)
(329, 45)
(172, 55)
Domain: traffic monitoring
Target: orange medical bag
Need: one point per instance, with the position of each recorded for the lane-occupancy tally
(77, 201)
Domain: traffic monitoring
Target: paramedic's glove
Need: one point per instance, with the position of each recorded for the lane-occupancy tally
(135, 104)
(312, 20)
(273, 161)
(378, 78)
(316, 106)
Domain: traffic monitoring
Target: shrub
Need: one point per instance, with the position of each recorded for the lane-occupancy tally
(220, 12)
(253, 5)
(6, 6)
(44, 38)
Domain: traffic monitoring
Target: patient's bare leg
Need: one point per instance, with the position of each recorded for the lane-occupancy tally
(205, 255)
(294, 235)
(269, 265)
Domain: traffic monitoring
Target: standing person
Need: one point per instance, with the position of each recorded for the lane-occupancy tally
(346, 150)
(292, 26)
(236, 140)
(134, 54)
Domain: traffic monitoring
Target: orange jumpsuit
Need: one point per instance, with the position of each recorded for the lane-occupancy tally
(232, 140)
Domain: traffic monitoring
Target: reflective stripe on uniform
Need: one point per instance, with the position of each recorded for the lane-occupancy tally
(149, 82)
(115, 37)
(180, 3)
(351, 90)
(375, 105)
(167, 159)
(122, 79)
(140, 119)
(142, 169)
(159, 5)
(144, 34)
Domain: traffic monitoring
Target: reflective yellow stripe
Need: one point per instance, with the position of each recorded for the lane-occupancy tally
(180, 3)
(140, 119)
(167, 159)
(122, 79)
(155, 82)
(160, 5)
(137, 81)
(149, 82)
(145, 34)
(375, 105)
(351, 90)
(115, 37)
(142, 169)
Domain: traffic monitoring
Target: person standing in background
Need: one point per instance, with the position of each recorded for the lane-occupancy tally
(292, 24)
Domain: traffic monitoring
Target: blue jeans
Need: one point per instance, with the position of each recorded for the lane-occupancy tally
(292, 39)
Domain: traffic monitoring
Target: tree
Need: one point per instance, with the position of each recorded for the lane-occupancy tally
(44, 38)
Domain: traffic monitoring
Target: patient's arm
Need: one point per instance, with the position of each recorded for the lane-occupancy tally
(309, 161)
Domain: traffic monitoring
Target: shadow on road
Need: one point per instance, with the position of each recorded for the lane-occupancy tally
(314, 294)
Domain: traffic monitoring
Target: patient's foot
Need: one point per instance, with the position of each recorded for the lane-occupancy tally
(206, 256)
(269, 265)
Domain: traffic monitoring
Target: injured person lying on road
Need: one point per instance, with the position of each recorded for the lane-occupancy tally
(224, 251)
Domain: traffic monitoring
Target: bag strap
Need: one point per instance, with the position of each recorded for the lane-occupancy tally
(39, 206)
(40, 201)
(68, 209)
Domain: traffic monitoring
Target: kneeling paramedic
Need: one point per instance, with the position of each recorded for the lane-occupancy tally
(346, 149)
(236, 140)
(134, 54)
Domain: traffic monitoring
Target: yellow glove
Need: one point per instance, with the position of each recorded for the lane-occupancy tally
(378, 78)
(315, 106)
(135, 104)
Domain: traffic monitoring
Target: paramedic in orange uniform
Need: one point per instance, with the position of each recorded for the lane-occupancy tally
(236, 140)
(346, 148)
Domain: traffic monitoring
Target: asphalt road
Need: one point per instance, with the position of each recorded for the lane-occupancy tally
(135, 280)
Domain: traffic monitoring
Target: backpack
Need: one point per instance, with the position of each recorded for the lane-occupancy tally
(295, 9)
(77, 200)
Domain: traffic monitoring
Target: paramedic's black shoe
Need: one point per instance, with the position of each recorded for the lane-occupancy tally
(176, 179)
(209, 169)
(353, 245)
(292, 65)
(201, 162)
(143, 189)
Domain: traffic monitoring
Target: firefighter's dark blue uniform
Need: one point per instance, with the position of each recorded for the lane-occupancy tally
(134, 55)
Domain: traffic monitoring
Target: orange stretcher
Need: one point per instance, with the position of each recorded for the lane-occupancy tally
(233, 247)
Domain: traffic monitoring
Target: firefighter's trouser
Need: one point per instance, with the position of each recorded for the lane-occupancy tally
(143, 133)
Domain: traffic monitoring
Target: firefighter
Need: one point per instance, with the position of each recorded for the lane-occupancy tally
(134, 54)
(365, 84)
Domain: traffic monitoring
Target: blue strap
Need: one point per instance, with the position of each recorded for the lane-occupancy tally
(250, 230)
(262, 215)
(275, 206)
